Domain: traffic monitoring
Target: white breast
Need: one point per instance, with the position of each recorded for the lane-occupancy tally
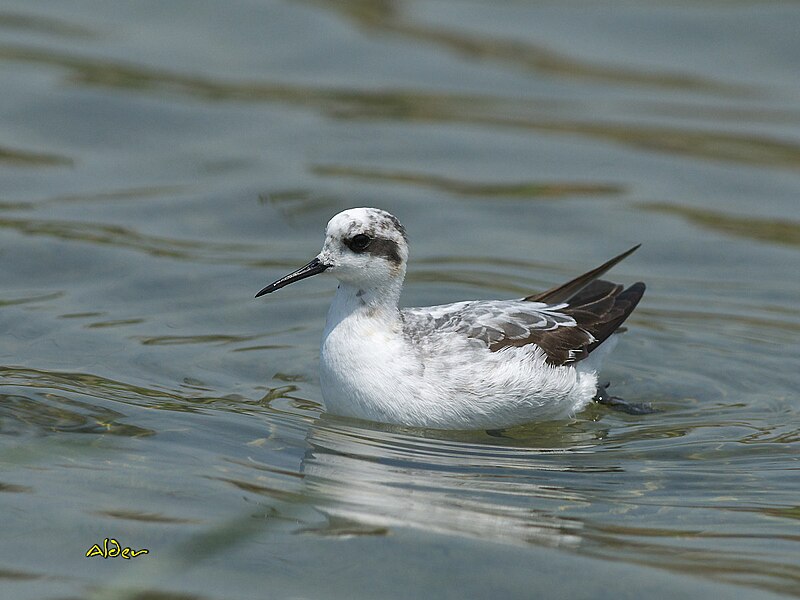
(366, 369)
(371, 369)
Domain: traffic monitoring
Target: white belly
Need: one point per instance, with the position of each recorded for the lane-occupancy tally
(370, 371)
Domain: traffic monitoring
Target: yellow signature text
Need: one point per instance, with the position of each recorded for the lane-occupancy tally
(111, 548)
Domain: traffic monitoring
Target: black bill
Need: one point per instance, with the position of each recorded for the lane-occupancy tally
(312, 268)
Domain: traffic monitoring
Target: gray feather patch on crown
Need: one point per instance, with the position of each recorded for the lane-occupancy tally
(383, 229)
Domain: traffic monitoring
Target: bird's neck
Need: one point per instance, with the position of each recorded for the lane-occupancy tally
(365, 301)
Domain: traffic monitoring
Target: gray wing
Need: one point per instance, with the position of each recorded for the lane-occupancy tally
(566, 322)
(502, 323)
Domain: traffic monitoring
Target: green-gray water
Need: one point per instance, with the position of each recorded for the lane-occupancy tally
(161, 161)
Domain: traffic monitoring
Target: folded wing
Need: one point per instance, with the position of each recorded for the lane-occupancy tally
(566, 322)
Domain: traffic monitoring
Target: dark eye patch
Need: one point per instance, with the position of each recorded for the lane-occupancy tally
(376, 246)
(359, 243)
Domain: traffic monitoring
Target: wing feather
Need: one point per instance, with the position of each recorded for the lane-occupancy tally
(567, 322)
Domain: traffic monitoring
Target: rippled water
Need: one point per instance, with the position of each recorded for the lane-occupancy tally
(161, 162)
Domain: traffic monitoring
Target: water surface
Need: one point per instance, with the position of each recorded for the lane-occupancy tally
(161, 162)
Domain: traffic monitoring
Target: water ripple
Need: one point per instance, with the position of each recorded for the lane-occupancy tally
(387, 16)
(26, 158)
(777, 231)
(404, 105)
(539, 190)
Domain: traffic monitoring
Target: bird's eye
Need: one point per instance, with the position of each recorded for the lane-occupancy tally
(360, 242)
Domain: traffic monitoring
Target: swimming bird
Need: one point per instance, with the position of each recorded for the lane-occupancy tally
(478, 364)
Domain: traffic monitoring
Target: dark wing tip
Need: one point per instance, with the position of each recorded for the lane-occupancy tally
(624, 304)
(599, 310)
(566, 291)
